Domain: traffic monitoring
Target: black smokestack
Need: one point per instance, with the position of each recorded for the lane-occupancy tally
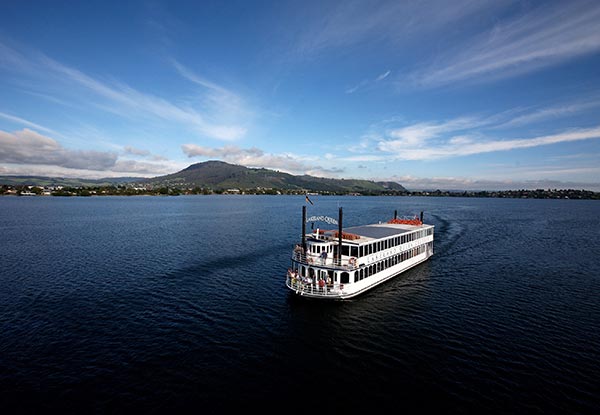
(421, 216)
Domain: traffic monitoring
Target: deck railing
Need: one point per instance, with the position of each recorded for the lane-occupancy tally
(315, 259)
(329, 290)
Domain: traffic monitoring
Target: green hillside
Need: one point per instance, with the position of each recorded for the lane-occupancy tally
(219, 175)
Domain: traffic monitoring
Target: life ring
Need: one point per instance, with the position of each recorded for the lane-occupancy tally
(352, 261)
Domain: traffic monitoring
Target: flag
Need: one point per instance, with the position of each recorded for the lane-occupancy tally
(308, 200)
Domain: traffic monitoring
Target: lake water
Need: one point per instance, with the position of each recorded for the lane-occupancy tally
(161, 304)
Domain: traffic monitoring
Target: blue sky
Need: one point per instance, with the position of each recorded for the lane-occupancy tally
(432, 94)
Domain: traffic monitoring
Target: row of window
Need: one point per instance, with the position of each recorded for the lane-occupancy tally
(363, 272)
(390, 262)
(372, 248)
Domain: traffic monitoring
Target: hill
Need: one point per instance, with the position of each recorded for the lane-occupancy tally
(218, 175)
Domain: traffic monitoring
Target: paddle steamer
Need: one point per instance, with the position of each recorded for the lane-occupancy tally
(340, 264)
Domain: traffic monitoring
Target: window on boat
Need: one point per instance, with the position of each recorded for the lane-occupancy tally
(354, 251)
(344, 278)
(360, 251)
(345, 250)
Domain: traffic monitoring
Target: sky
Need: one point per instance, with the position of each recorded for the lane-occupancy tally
(467, 94)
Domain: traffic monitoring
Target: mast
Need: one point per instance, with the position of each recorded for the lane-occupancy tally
(304, 230)
(340, 236)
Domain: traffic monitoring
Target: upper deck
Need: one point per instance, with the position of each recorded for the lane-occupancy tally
(365, 234)
(370, 233)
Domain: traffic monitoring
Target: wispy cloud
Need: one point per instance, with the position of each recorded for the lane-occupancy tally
(474, 134)
(417, 134)
(368, 82)
(554, 112)
(329, 25)
(124, 100)
(545, 36)
(464, 146)
(26, 123)
(219, 103)
(197, 79)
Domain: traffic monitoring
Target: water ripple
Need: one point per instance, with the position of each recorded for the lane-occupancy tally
(122, 304)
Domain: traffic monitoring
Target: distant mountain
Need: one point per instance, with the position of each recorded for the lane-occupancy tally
(218, 175)
(64, 181)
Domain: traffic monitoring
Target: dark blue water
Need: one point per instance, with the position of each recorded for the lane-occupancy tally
(168, 304)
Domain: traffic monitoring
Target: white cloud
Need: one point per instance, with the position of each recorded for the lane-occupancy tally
(465, 183)
(254, 157)
(29, 147)
(28, 151)
(468, 135)
(136, 168)
(135, 151)
(140, 152)
(464, 147)
(417, 134)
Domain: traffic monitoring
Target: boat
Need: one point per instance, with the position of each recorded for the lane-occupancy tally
(369, 255)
